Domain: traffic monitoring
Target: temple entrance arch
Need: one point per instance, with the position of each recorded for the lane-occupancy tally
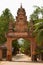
(9, 47)
(20, 31)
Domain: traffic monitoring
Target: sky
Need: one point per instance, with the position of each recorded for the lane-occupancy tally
(13, 5)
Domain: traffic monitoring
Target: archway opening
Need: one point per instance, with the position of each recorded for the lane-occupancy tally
(21, 50)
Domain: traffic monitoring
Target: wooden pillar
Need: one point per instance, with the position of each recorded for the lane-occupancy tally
(0, 53)
(9, 49)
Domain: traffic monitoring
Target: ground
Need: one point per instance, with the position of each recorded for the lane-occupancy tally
(20, 59)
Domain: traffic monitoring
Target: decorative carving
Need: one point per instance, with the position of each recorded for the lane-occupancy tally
(21, 21)
(21, 31)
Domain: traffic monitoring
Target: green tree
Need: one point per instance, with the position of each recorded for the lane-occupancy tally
(5, 18)
(15, 46)
(36, 13)
(39, 38)
(38, 29)
(2, 39)
(25, 48)
(41, 11)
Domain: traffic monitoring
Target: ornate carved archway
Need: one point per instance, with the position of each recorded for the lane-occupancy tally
(21, 31)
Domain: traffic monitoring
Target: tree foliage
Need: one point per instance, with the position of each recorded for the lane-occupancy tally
(25, 48)
(15, 46)
(35, 15)
(5, 18)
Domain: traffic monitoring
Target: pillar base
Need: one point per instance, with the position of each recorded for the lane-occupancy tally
(34, 58)
(0, 59)
(9, 58)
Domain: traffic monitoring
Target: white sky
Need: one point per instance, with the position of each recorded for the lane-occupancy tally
(13, 5)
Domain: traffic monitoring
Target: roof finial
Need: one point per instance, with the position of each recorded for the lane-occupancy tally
(21, 5)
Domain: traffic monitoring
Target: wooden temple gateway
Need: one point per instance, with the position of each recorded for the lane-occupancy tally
(20, 31)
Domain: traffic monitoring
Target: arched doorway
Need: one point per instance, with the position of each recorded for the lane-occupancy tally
(9, 48)
(4, 52)
(21, 50)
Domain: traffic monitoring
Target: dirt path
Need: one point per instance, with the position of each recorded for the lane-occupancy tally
(21, 57)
